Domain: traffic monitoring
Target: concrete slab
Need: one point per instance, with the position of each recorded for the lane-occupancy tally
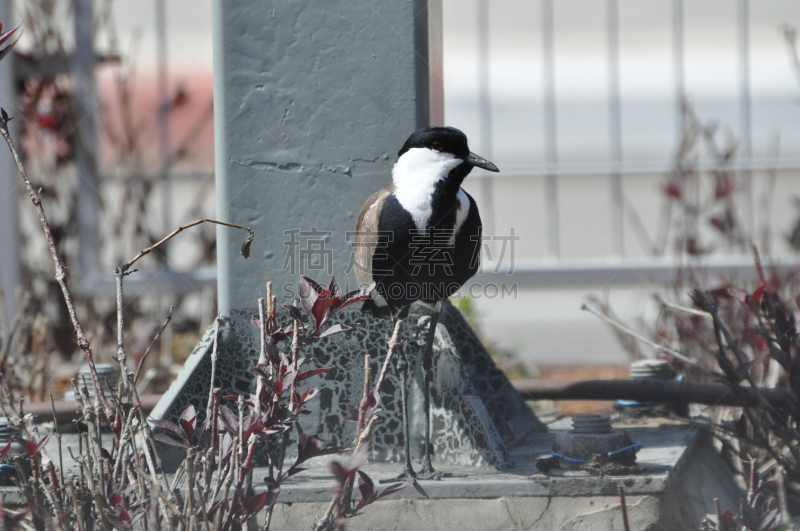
(681, 474)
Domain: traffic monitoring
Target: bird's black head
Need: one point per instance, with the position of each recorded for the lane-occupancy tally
(446, 140)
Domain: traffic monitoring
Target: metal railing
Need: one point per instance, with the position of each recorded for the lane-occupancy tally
(618, 267)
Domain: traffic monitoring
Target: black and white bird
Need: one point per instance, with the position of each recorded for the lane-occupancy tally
(419, 239)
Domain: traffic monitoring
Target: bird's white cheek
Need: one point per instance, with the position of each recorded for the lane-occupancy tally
(415, 176)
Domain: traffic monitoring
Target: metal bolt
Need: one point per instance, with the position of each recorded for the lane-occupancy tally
(591, 436)
(591, 423)
(652, 370)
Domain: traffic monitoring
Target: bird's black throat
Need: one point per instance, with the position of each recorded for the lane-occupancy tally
(426, 264)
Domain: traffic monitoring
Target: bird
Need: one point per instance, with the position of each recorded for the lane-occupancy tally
(418, 239)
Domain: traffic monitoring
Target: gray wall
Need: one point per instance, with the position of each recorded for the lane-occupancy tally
(312, 102)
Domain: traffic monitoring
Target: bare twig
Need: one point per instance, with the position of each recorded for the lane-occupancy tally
(295, 355)
(665, 348)
(150, 347)
(214, 357)
(245, 250)
(394, 343)
(262, 356)
(680, 308)
(83, 343)
(58, 438)
(624, 507)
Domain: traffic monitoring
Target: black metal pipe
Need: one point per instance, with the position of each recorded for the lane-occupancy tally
(679, 392)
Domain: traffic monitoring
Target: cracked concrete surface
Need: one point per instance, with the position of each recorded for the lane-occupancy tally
(312, 101)
(682, 474)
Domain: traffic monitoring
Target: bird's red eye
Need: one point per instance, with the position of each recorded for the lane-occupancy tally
(438, 146)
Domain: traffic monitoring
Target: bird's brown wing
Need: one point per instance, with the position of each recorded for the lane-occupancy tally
(366, 237)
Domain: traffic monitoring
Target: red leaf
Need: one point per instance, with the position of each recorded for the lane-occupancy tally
(5, 450)
(334, 289)
(295, 313)
(170, 441)
(114, 499)
(250, 429)
(309, 446)
(168, 426)
(340, 473)
(211, 510)
(759, 292)
(3, 38)
(308, 374)
(188, 429)
(229, 420)
(31, 448)
(353, 297)
(261, 370)
(320, 309)
(255, 503)
(337, 328)
(727, 521)
(310, 393)
(106, 455)
(43, 441)
(123, 515)
(306, 282)
(391, 489)
(365, 485)
(674, 188)
(189, 414)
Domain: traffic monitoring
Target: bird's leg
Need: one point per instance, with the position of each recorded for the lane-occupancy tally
(427, 471)
(408, 473)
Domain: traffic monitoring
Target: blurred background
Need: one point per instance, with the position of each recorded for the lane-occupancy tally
(633, 136)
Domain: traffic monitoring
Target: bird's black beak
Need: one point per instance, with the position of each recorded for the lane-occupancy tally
(480, 162)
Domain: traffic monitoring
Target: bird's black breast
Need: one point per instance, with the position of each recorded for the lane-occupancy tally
(428, 265)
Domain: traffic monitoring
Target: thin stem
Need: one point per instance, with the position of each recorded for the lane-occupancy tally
(58, 438)
(625, 329)
(213, 369)
(60, 271)
(262, 356)
(150, 347)
(295, 355)
(245, 250)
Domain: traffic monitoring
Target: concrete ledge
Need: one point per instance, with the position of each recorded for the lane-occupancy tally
(681, 474)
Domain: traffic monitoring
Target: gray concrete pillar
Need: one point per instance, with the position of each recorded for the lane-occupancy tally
(312, 101)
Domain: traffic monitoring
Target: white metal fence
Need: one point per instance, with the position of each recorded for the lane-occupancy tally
(624, 257)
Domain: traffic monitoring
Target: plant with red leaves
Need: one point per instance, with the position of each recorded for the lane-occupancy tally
(745, 335)
(6, 44)
(696, 198)
(756, 510)
(226, 441)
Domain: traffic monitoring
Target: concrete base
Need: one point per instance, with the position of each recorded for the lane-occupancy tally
(475, 411)
(681, 475)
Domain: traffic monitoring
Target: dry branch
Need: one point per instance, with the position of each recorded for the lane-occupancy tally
(60, 271)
